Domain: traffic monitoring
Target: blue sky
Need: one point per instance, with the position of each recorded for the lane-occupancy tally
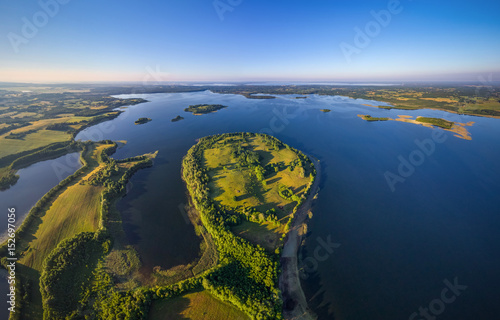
(186, 40)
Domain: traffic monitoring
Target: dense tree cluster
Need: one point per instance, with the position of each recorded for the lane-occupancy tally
(61, 127)
(20, 135)
(65, 272)
(9, 180)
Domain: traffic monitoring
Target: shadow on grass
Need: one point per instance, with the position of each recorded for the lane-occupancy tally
(32, 308)
(169, 309)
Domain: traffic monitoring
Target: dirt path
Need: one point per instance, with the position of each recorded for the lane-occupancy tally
(295, 303)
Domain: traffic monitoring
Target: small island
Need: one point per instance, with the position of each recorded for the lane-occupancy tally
(178, 118)
(302, 97)
(199, 109)
(459, 129)
(367, 117)
(445, 124)
(325, 110)
(142, 120)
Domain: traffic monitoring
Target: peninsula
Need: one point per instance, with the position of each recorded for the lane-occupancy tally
(249, 190)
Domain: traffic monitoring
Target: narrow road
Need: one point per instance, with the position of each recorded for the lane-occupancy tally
(295, 303)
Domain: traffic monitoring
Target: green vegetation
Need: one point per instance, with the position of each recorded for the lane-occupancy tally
(204, 108)
(37, 124)
(142, 120)
(370, 118)
(436, 122)
(214, 169)
(463, 99)
(65, 237)
(325, 110)
(178, 118)
(196, 306)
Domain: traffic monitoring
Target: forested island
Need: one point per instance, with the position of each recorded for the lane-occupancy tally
(325, 110)
(142, 120)
(199, 109)
(178, 118)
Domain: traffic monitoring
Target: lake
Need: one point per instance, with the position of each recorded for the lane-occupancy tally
(395, 251)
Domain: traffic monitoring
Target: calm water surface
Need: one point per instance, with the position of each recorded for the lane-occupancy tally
(396, 248)
(34, 181)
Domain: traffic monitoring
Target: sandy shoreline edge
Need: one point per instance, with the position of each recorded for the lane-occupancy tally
(294, 300)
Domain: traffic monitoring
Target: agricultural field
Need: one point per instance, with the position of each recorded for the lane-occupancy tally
(31, 141)
(75, 210)
(195, 306)
(70, 209)
(37, 117)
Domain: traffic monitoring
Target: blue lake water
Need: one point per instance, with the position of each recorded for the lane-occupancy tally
(397, 248)
(34, 181)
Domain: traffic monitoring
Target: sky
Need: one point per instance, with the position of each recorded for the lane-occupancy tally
(248, 40)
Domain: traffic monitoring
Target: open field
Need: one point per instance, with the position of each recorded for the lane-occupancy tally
(32, 141)
(75, 210)
(230, 182)
(266, 234)
(195, 306)
(237, 187)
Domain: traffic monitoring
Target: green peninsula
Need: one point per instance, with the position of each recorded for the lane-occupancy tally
(246, 188)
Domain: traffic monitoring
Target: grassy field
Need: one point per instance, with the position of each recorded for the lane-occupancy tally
(41, 137)
(75, 210)
(436, 122)
(195, 306)
(266, 234)
(32, 141)
(228, 187)
(228, 183)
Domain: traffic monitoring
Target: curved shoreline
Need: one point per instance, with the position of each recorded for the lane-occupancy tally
(294, 300)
